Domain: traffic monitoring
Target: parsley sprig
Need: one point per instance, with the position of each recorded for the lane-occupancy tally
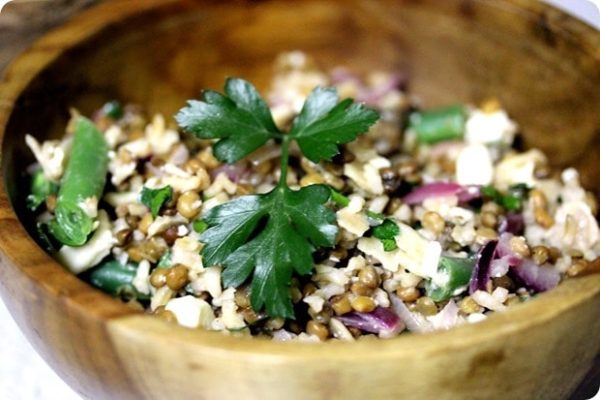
(271, 236)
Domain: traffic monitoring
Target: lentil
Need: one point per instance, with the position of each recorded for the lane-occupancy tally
(540, 254)
(319, 330)
(177, 277)
(189, 204)
(433, 222)
(362, 304)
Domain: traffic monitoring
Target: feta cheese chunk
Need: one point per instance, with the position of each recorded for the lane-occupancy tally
(490, 128)
(474, 166)
(191, 312)
(79, 259)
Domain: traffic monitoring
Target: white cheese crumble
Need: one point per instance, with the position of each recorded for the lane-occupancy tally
(79, 259)
(489, 128)
(351, 217)
(518, 168)
(191, 312)
(50, 155)
(141, 281)
(474, 166)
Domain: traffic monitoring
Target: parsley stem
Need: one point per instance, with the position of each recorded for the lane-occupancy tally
(285, 147)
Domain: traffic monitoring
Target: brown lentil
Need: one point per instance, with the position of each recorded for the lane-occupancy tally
(409, 294)
(433, 222)
(360, 289)
(274, 324)
(123, 236)
(492, 207)
(311, 179)
(426, 306)
(132, 221)
(136, 254)
(249, 315)
(362, 304)
(341, 305)
(543, 218)
(484, 235)
(538, 199)
(145, 223)
(264, 168)
(369, 277)
(519, 246)
(469, 306)
(51, 202)
(393, 205)
(489, 219)
(554, 254)
(242, 297)
(165, 314)
(158, 277)
(504, 282)
(192, 165)
(296, 294)
(188, 204)
(170, 235)
(540, 254)
(578, 268)
(309, 289)
(177, 277)
(317, 329)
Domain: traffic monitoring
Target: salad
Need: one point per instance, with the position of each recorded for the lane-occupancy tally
(334, 208)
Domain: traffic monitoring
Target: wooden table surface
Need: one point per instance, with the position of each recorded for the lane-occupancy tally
(22, 21)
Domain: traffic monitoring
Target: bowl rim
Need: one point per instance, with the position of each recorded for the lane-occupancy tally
(78, 295)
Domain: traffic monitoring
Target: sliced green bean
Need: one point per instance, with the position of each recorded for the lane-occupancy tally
(40, 189)
(116, 279)
(458, 272)
(83, 180)
(438, 125)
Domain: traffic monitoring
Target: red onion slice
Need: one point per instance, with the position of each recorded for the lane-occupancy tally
(414, 322)
(442, 189)
(535, 277)
(481, 272)
(381, 321)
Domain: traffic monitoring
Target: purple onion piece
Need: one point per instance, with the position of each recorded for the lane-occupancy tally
(381, 321)
(481, 272)
(513, 223)
(414, 322)
(235, 172)
(447, 318)
(535, 277)
(429, 190)
(468, 193)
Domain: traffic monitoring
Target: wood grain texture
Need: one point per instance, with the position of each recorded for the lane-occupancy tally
(544, 67)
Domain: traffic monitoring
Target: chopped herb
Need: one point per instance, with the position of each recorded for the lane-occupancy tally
(199, 225)
(113, 109)
(386, 232)
(41, 188)
(512, 200)
(270, 237)
(165, 260)
(154, 199)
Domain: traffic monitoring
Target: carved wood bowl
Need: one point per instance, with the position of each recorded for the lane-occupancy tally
(543, 65)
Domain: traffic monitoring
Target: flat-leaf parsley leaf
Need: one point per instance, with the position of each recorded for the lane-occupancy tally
(271, 236)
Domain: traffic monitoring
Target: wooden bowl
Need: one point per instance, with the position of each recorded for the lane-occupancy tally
(543, 65)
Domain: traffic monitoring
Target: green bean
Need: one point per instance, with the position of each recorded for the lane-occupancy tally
(439, 125)
(458, 272)
(114, 278)
(40, 189)
(84, 179)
